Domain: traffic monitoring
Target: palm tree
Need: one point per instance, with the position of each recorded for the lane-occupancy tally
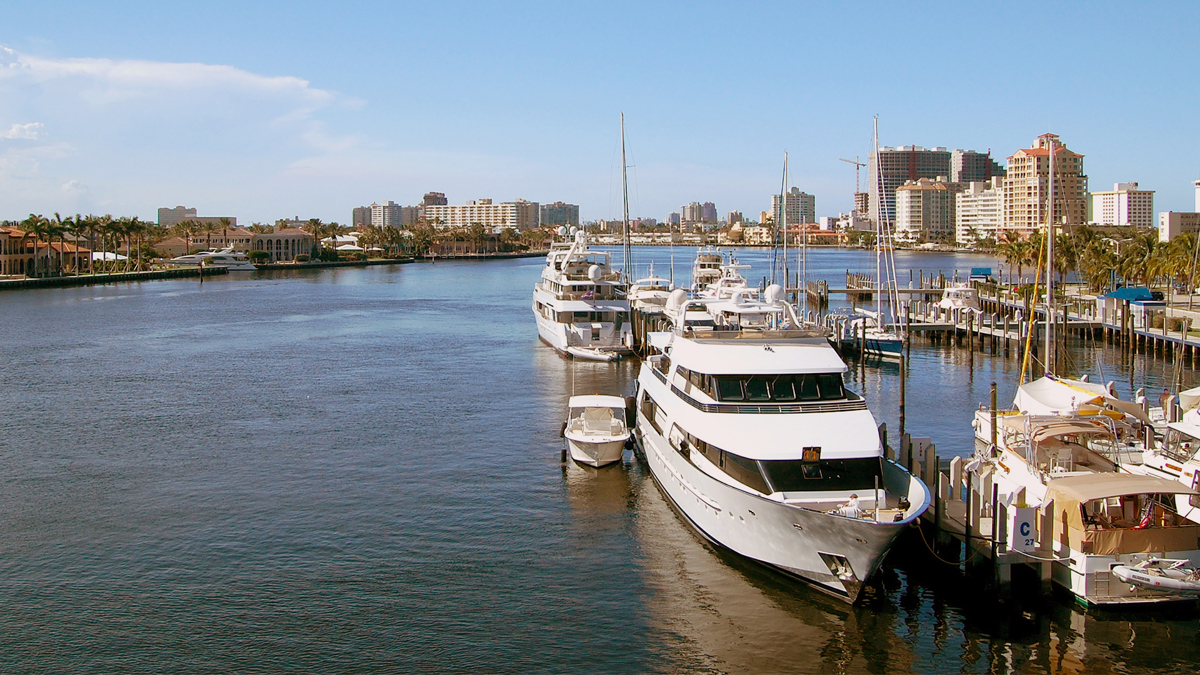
(38, 227)
(78, 225)
(207, 227)
(316, 228)
(225, 224)
(184, 230)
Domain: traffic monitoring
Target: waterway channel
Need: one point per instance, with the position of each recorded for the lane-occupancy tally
(351, 470)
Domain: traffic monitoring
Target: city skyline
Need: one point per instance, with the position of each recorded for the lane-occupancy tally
(285, 109)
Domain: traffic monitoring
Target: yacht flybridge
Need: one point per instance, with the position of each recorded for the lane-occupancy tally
(580, 303)
(747, 427)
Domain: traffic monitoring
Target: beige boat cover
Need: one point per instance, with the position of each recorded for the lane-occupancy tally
(1087, 487)
(1065, 495)
(1189, 399)
(1043, 432)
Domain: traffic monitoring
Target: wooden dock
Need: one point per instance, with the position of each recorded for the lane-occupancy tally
(967, 525)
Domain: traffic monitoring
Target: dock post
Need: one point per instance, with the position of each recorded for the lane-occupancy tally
(930, 471)
(992, 416)
(942, 537)
(902, 392)
(1046, 544)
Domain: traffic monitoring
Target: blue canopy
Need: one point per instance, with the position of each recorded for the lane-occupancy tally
(1130, 293)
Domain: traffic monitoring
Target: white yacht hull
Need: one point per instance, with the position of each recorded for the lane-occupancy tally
(597, 454)
(807, 544)
(600, 341)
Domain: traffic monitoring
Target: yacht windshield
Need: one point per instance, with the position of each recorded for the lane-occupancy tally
(792, 475)
(787, 388)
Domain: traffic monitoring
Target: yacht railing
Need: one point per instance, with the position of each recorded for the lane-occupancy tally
(706, 333)
(770, 408)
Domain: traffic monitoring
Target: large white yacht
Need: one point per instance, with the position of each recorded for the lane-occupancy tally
(746, 426)
(234, 261)
(580, 305)
(706, 268)
(649, 294)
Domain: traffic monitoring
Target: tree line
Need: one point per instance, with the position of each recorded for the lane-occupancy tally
(106, 235)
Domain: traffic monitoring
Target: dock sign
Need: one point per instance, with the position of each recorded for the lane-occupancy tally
(1022, 528)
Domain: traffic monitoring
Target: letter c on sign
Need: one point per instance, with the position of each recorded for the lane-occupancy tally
(1024, 529)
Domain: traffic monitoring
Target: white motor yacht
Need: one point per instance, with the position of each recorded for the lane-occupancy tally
(731, 281)
(595, 430)
(649, 294)
(579, 303)
(706, 268)
(234, 261)
(747, 428)
(960, 297)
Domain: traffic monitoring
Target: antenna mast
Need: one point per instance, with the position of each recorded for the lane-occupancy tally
(1050, 360)
(625, 206)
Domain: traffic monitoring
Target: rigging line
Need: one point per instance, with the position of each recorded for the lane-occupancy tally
(1032, 315)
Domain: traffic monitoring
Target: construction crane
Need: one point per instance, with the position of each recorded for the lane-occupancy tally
(857, 166)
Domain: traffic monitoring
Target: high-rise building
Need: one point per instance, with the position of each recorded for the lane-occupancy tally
(708, 212)
(386, 214)
(801, 208)
(693, 213)
(862, 203)
(170, 217)
(521, 214)
(1124, 206)
(674, 218)
(925, 211)
(434, 199)
(979, 211)
(360, 217)
(734, 217)
(1171, 224)
(410, 215)
(1026, 187)
(559, 213)
(968, 166)
(911, 162)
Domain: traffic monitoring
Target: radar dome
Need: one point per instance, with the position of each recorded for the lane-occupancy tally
(773, 294)
(574, 229)
(594, 273)
(562, 230)
(676, 299)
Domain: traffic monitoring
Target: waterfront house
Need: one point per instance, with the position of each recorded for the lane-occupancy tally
(283, 244)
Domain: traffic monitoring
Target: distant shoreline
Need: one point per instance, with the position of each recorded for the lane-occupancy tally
(194, 272)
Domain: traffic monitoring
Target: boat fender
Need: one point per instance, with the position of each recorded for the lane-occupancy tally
(562, 431)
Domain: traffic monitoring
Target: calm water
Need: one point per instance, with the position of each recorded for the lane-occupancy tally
(358, 470)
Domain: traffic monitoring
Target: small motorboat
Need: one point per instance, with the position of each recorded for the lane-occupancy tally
(595, 429)
(1161, 574)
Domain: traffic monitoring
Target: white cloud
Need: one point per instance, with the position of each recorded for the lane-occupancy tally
(112, 81)
(136, 134)
(29, 131)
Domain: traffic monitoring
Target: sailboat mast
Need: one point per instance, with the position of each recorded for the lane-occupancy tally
(1050, 360)
(879, 229)
(783, 217)
(803, 281)
(625, 206)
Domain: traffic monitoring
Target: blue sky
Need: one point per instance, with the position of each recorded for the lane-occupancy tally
(270, 110)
